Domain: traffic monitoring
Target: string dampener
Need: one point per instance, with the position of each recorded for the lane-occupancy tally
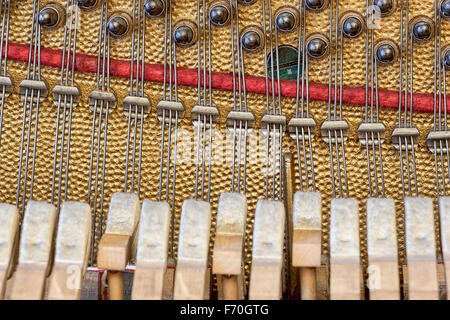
(383, 278)
(228, 253)
(154, 275)
(267, 277)
(306, 216)
(438, 138)
(345, 270)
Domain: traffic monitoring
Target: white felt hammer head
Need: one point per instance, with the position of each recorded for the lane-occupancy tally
(37, 232)
(123, 215)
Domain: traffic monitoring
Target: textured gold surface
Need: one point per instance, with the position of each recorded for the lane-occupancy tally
(354, 74)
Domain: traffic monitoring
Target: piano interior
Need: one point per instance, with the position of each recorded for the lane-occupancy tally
(224, 149)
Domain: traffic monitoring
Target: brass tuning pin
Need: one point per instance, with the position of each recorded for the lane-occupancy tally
(386, 52)
(352, 24)
(87, 4)
(119, 25)
(252, 38)
(317, 46)
(386, 7)
(185, 33)
(220, 13)
(51, 16)
(422, 29)
(155, 8)
(316, 5)
(287, 19)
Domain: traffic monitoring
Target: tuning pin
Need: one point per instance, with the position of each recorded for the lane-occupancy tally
(386, 6)
(386, 52)
(155, 8)
(87, 4)
(446, 57)
(317, 46)
(118, 25)
(247, 2)
(316, 5)
(445, 8)
(286, 18)
(220, 13)
(352, 25)
(185, 33)
(252, 38)
(421, 28)
(51, 16)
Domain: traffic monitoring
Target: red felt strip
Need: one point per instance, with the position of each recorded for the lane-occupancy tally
(222, 81)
